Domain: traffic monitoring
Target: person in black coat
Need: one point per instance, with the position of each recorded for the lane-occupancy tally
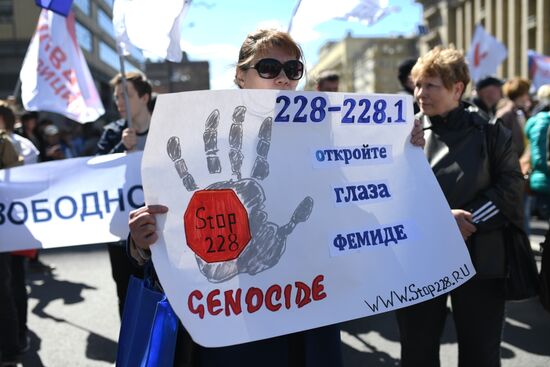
(488, 94)
(479, 175)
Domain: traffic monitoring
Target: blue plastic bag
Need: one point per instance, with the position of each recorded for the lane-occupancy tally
(149, 328)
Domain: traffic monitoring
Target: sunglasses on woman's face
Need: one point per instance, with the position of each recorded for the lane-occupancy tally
(271, 68)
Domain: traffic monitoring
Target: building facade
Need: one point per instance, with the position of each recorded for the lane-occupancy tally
(96, 36)
(365, 65)
(94, 32)
(170, 77)
(376, 69)
(521, 25)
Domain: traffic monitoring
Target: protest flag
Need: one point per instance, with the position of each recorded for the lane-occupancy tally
(539, 68)
(485, 54)
(153, 27)
(61, 7)
(309, 13)
(55, 76)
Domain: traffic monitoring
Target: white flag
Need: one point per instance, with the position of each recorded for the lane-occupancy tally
(309, 13)
(151, 26)
(485, 54)
(54, 75)
(539, 68)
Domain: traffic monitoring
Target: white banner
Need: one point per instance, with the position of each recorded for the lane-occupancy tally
(54, 75)
(130, 20)
(539, 68)
(310, 13)
(293, 210)
(69, 202)
(485, 54)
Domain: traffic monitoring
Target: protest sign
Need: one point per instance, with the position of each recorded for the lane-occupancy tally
(69, 202)
(293, 210)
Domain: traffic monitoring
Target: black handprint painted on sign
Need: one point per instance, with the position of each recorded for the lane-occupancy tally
(216, 223)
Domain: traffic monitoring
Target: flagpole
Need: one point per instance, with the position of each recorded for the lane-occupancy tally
(17, 88)
(125, 88)
(293, 14)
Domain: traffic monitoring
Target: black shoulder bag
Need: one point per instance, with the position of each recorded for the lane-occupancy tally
(545, 273)
(522, 280)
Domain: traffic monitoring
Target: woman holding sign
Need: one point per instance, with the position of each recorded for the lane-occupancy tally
(268, 59)
(479, 174)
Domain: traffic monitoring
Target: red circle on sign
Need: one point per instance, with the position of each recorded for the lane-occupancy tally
(216, 225)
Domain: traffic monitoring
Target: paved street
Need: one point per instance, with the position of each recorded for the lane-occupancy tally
(74, 320)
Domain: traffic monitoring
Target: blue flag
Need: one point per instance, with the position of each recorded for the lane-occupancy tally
(61, 7)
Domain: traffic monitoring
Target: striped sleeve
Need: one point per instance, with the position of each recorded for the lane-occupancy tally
(485, 212)
(486, 215)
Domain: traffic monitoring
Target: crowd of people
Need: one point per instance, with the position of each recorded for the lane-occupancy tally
(489, 193)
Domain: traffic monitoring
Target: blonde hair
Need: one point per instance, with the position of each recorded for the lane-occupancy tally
(543, 93)
(447, 63)
(258, 43)
(516, 87)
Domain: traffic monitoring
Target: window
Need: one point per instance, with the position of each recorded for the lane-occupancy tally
(110, 57)
(84, 37)
(83, 5)
(105, 22)
(109, 2)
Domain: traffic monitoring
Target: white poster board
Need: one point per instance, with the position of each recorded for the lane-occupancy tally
(293, 210)
(69, 202)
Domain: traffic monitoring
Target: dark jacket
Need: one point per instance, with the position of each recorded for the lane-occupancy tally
(111, 139)
(478, 171)
(513, 119)
(483, 109)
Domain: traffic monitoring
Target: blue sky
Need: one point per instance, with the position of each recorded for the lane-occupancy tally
(214, 30)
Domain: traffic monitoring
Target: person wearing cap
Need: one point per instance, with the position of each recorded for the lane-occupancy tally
(488, 94)
(55, 147)
(328, 81)
(404, 77)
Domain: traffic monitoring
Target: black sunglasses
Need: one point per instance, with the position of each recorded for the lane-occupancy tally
(271, 68)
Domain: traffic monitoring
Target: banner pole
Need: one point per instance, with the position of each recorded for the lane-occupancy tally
(17, 88)
(125, 88)
(293, 14)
